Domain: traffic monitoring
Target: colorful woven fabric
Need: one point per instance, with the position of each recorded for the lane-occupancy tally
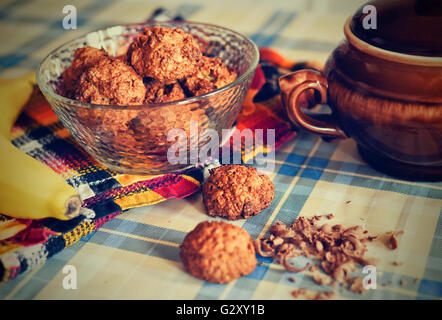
(134, 254)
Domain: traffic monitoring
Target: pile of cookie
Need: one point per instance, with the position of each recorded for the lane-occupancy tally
(161, 65)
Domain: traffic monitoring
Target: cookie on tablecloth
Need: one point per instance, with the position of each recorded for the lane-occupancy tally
(237, 192)
(218, 252)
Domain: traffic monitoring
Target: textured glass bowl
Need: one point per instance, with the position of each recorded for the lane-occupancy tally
(134, 139)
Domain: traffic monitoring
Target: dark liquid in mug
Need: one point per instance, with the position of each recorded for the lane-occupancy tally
(404, 26)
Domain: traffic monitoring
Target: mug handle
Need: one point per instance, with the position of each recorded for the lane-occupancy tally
(292, 86)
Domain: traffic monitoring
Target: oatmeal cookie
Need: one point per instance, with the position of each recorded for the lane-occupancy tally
(83, 59)
(218, 252)
(212, 74)
(165, 54)
(110, 81)
(156, 92)
(237, 192)
(196, 85)
(216, 71)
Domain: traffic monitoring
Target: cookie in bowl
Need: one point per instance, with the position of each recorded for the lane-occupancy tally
(165, 54)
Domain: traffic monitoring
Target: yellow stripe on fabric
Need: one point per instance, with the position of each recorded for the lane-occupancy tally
(8, 246)
(257, 149)
(10, 228)
(145, 198)
(83, 229)
(128, 179)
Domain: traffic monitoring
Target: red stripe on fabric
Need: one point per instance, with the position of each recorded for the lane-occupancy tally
(34, 234)
(159, 183)
(100, 222)
(179, 190)
(259, 79)
(263, 120)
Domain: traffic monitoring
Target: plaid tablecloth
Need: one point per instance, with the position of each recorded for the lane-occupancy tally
(136, 254)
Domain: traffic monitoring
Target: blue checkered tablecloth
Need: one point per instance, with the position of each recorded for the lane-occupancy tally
(136, 255)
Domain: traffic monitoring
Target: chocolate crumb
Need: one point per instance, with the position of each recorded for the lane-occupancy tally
(357, 286)
(338, 248)
(314, 268)
(395, 263)
(392, 242)
(323, 295)
(299, 292)
(311, 295)
(321, 278)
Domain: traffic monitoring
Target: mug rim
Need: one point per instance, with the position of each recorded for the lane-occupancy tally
(387, 54)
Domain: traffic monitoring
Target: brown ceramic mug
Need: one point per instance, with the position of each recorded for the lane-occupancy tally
(389, 102)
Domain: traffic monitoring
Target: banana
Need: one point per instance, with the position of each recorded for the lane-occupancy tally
(28, 188)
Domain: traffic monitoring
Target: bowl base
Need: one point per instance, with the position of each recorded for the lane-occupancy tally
(400, 169)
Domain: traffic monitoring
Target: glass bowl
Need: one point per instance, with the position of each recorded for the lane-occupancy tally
(141, 139)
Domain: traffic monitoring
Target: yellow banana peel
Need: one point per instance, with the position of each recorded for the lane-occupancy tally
(28, 188)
